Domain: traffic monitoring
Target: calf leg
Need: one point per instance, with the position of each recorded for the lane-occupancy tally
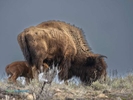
(14, 77)
(27, 80)
(9, 79)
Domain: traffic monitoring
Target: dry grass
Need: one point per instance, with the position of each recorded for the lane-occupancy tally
(113, 89)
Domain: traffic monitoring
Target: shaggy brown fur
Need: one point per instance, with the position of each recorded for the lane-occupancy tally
(65, 45)
(19, 68)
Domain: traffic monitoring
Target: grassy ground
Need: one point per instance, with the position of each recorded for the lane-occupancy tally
(113, 89)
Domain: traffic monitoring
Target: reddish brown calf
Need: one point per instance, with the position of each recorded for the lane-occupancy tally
(19, 68)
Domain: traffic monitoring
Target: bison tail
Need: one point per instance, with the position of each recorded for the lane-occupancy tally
(27, 52)
(24, 45)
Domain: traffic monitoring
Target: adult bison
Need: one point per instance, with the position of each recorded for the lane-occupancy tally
(19, 68)
(63, 44)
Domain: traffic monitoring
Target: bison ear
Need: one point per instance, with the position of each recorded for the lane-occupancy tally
(91, 61)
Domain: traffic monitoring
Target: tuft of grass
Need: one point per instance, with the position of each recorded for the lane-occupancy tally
(98, 86)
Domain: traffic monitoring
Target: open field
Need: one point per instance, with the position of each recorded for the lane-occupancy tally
(113, 89)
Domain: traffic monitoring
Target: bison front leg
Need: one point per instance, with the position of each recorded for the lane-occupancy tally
(65, 66)
(70, 74)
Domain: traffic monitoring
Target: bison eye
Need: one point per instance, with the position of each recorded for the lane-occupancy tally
(99, 68)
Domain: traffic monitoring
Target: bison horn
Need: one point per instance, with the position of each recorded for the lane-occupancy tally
(100, 56)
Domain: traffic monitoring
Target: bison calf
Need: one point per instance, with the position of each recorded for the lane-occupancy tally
(19, 68)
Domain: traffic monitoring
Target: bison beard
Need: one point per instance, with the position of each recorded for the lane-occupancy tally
(63, 44)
